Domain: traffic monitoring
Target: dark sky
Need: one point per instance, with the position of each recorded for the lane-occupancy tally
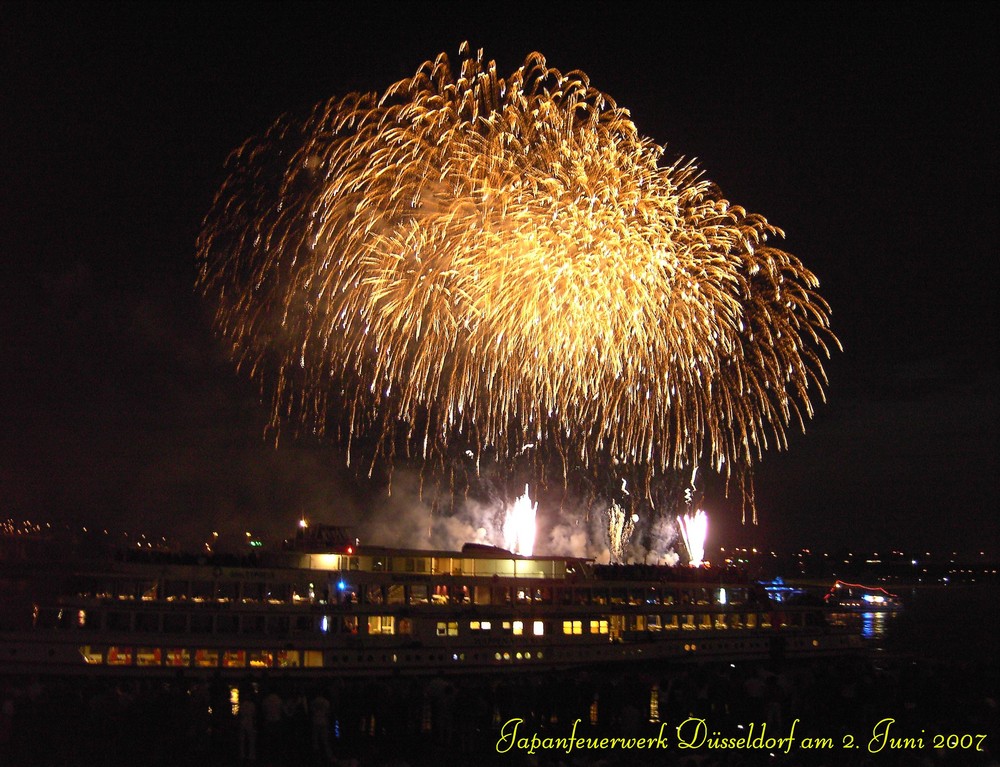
(866, 131)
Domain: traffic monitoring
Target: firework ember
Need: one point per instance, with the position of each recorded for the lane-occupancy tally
(467, 262)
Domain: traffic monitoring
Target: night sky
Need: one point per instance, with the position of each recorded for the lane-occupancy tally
(866, 131)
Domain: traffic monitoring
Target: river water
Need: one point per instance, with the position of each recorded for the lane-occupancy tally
(937, 623)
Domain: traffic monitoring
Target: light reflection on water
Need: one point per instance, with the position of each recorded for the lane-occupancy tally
(873, 626)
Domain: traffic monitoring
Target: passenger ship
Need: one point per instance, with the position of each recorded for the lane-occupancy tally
(323, 605)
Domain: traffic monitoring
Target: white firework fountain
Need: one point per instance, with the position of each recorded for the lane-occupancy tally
(694, 531)
(519, 525)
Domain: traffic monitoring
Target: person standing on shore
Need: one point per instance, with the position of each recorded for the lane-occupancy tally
(248, 729)
(320, 710)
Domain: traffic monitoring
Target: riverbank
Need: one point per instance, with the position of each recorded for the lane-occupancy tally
(466, 721)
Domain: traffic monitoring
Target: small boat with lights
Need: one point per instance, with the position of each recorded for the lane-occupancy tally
(326, 605)
(844, 596)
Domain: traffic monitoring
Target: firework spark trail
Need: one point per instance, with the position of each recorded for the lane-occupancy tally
(472, 261)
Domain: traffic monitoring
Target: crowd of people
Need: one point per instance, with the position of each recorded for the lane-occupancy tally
(396, 721)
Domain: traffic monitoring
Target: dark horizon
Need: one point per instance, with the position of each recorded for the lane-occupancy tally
(865, 133)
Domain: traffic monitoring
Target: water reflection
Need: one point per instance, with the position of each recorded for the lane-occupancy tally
(873, 625)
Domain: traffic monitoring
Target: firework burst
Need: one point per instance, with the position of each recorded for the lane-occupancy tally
(467, 261)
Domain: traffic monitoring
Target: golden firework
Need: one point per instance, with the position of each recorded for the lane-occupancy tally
(467, 261)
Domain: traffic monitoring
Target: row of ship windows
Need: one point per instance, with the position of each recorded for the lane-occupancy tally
(287, 659)
(183, 657)
(120, 655)
(618, 623)
(343, 591)
(387, 625)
